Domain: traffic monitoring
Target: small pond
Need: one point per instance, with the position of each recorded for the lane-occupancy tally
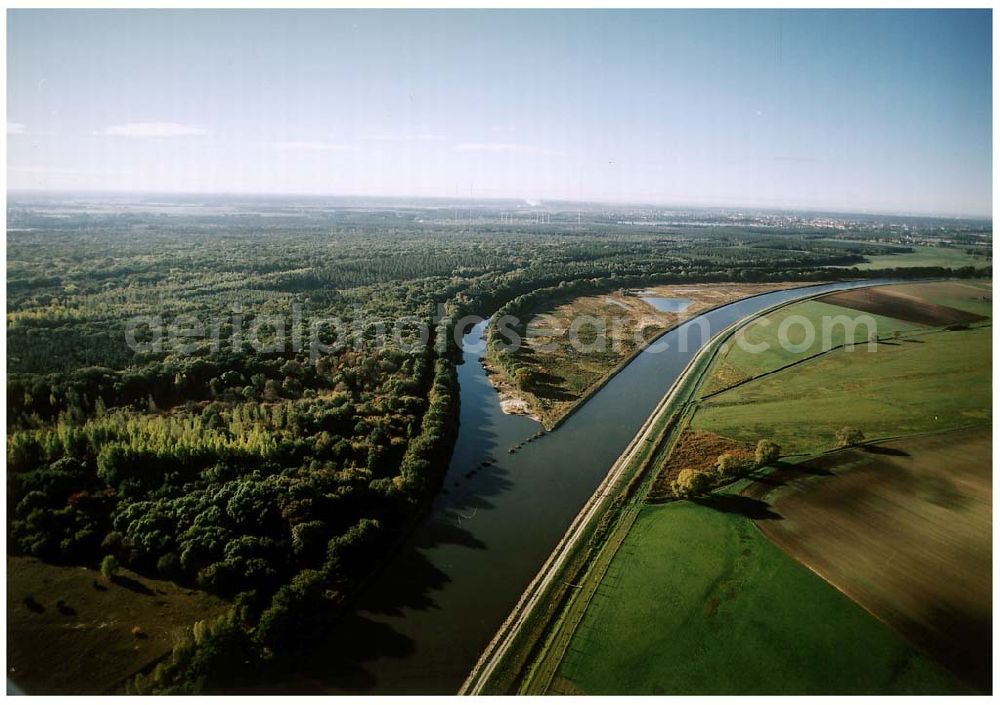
(661, 303)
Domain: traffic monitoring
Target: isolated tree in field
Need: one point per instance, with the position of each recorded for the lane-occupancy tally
(730, 466)
(767, 452)
(849, 436)
(691, 482)
(109, 567)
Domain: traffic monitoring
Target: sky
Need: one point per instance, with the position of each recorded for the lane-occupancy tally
(881, 111)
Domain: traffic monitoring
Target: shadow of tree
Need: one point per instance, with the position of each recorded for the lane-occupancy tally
(550, 391)
(547, 385)
(780, 474)
(802, 469)
(748, 507)
(365, 645)
(34, 605)
(131, 584)
(338, 664)
(962, 639)
(884, 450)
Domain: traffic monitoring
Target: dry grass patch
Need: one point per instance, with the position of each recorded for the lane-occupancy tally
(698, 450)
(72, 631)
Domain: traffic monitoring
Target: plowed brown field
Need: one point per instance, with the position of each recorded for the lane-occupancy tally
(884, 301)
(905, 530)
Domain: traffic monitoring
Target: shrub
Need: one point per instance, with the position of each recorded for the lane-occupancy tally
(112, 542)
(848, 436)
(169, 565)
(729, 466)
(691, 483)
(221, 578)
(767, 452)
(109, 566)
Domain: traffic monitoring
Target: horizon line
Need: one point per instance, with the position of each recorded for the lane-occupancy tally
(833, 210)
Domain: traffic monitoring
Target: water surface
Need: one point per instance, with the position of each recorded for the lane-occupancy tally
(428, 615)
(661, 303)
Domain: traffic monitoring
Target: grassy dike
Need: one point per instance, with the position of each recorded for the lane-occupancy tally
(525, 654)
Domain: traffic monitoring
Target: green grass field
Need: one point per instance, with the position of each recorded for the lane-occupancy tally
(924, 256)
(741, 361)
(973, 295)
(697, 601)
(909, 386)
(983, 308)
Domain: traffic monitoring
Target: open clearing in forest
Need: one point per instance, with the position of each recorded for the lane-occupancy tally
(904, 528)
(85, 645)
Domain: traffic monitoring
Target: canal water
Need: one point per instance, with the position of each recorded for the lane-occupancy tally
(425, 619)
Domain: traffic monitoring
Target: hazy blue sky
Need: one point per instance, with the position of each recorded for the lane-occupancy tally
(885, 111)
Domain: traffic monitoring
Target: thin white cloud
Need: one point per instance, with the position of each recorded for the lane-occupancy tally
(65, 171)
(16, 128)
(794, 158)
(313, 146)
(506, 148)
(154, 129)
(406, 137)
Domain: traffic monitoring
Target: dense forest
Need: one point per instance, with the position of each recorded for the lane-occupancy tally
(277, 477)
